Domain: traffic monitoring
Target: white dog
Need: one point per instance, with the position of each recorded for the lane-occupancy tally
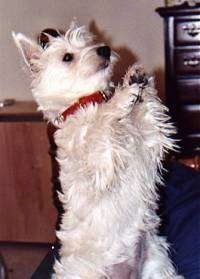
(109, 150)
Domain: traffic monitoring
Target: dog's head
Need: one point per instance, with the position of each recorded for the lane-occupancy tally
(68, 67)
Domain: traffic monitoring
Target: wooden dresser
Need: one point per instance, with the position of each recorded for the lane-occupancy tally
(182, 62)
(27, 212)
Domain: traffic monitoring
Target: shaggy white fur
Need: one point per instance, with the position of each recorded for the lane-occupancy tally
(110, 160)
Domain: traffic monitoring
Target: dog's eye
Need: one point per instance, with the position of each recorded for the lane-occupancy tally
(68, 57)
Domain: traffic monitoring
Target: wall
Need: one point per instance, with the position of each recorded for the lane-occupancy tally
(131, 26)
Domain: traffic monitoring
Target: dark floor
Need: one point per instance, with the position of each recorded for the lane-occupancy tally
(21, 259)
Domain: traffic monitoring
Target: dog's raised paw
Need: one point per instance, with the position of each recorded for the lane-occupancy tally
(141, 80)
(136, 75)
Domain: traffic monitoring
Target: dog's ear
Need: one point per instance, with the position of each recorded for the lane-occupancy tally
(27, 47)
(47, 35)
(78, 35)
(74, 24)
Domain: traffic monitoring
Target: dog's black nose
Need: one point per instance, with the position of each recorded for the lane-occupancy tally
(104, 51)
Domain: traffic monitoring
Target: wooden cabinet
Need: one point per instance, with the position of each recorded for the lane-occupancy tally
(27, 212)
(182, 57)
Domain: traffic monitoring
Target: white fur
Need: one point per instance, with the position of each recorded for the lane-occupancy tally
(110, 161)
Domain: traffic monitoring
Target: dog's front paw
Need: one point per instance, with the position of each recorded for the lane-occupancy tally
(137, 80)
(136, 75)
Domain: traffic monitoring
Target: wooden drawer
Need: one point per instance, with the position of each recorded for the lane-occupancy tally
(189, 118)
(187, 31)
(26, 205)
(187, 61)
(27, 212)
(188, 90)
(182, 58)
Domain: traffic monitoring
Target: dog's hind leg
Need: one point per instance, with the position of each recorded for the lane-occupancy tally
(157, 264)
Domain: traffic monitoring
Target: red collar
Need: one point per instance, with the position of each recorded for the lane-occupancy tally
(95, 98)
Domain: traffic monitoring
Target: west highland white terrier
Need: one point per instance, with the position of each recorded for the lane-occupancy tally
(109, 149)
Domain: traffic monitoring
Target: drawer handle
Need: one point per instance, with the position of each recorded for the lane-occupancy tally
(197, 148)
(192, 62)
(191, 29)
(7, 102)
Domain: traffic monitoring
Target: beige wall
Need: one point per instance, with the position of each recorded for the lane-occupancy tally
(132, 27)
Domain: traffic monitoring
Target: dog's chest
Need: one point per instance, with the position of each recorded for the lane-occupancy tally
(91, 133)
(78, 140)
(93, 149)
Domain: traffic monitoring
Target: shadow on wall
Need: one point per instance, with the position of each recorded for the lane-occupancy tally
(127, 58)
